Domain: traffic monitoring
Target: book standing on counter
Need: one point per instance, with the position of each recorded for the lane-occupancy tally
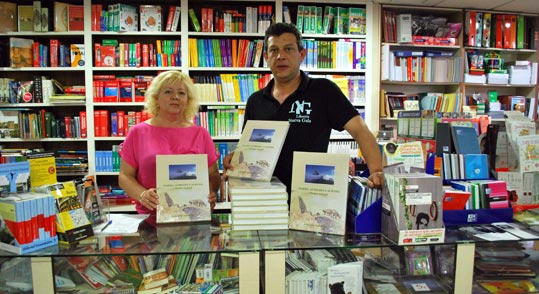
(182, 184)
(258, 150)
(319, 192)
(72, 225)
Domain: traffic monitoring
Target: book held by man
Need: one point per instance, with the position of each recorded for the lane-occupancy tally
(183, 188)
(258, 150)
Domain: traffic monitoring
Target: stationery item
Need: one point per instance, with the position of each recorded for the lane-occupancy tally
(455, 200)
(107, 225)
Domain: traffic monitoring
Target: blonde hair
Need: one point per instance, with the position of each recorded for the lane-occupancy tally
(168, 78)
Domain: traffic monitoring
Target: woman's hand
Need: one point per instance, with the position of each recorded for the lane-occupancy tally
(149, 199)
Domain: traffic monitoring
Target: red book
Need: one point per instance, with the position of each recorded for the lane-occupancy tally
(145, 55)
(204, 19)
(53, 51)
(94, 17)
(97, 55)
(126, 124)
(75, 16)
(151, 55)
(83, 124)
(138, 54)
(104, 122)
(470, 26)
(108, 56)
(121, 125)
(43, 125)
(138, 117)
(97, 127)
(210, 19)
(68, 122)
(36, 57)
(499, 30)
(170, 18)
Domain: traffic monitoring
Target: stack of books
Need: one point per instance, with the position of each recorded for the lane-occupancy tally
(258, 205)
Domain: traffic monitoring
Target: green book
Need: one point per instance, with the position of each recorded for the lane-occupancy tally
(194, 20)
(319, 19)
(299, 19)
(521, 30)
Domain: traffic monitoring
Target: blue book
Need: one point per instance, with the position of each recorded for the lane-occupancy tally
(465, 139)
(408, 53)
(439, 53)
(475, 166)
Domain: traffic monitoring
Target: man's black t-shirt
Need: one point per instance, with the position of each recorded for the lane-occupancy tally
(315, 108)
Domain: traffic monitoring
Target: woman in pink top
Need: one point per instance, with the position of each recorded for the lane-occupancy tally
(171, 101)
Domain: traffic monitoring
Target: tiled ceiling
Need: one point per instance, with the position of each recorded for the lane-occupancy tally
(522, 6)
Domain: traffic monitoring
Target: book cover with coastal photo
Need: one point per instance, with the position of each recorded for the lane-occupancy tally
(319, 192)
(258, 150)
(183, 188)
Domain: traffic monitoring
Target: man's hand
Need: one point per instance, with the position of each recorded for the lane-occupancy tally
(227, 165)
(376, 180)
(212, 199)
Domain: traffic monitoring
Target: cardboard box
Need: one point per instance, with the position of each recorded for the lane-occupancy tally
(412, 208)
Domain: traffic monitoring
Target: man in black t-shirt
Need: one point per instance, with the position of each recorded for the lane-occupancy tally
(313, 106)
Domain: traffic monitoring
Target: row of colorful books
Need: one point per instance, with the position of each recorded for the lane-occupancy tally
(223, 19)
(420, 30)
(31, 53)
(109, 88)
(419, 66)
(329, 20)
(107, 160)
(121, 17)
(229, 87)
(64, 17)
(221, 121)
(342, 54)
(118, 123)
(489, 30)
(70, 162)
(225, 52)
(26, 124)
(112, 53)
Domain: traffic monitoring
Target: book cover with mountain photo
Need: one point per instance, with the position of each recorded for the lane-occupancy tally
(319, 192)
(183, 188)
(258, 150)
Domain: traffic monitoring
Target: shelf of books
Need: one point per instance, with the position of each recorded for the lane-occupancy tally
(479, 56)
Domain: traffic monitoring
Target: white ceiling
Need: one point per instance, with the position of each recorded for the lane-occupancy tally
(522, 6)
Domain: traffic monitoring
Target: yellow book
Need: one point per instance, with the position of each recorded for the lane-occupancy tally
(158, 46)
(334, 54)
(236, 83)
(342, 83)
(42, 169)
(193, 52)
(72, 225)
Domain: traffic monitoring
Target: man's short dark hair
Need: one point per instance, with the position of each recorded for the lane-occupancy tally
(280, 28)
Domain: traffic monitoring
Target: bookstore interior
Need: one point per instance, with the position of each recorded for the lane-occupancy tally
(449, 91)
